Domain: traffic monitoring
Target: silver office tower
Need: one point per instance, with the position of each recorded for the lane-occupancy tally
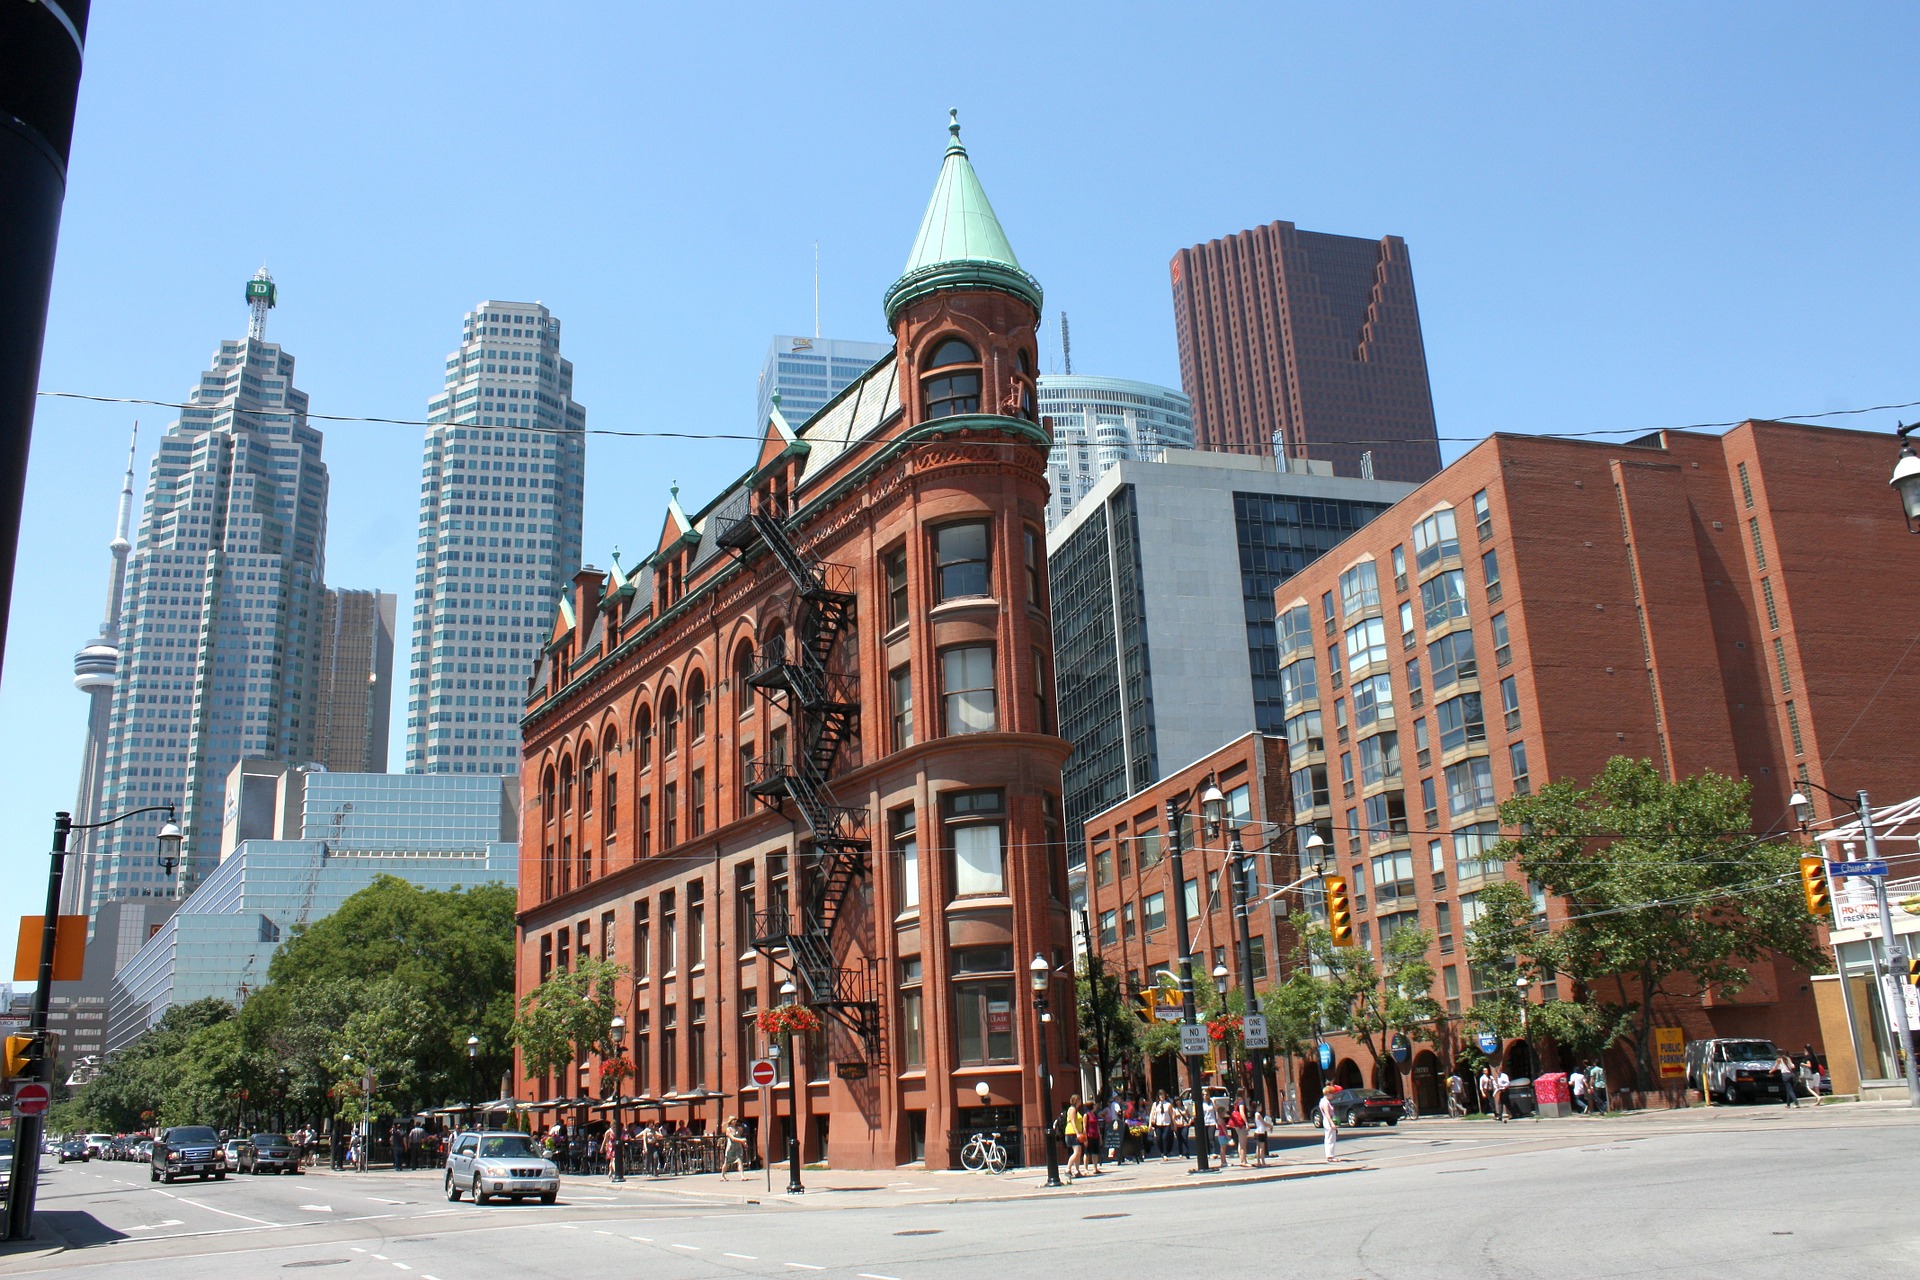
(222, 609)
(95, 671)
(500, 505)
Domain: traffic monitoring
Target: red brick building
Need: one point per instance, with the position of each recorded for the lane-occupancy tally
(810, 739)
(1129, 903)
(1737, 603)
(1310, 337)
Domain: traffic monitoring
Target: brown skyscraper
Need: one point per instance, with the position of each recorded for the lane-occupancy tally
(355, 681)
(1310, 336)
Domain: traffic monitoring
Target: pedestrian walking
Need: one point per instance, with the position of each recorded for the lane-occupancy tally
(1784, 1068)
(1577, 1085)
(417, 1146)
(1329, 1123)
(1160, 1117)
(1261, 1126)
(1486, 1091)
(1456, 1095)
(1073, 1124)
(1090, 1140)
(1502, 1100)
(736, 1153)
(1597, 1083)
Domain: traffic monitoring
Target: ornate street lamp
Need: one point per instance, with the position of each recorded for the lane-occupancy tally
(1906, 478)
(619, 1029)
(1040, 973)
(794, 1188)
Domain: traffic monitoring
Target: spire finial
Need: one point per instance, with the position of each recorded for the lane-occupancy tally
(676, 488)
(953, 130)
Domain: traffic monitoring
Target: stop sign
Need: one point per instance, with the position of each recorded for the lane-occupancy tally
(30, 1098)
(762, 1073)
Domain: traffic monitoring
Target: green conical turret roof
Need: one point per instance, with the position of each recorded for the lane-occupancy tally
(961, 244)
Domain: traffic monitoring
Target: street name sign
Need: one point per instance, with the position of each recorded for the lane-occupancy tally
(1865, 867)
(30, 1098)
(1193, 1039)
(762, 1073)
(1253, 1029)
(1487, 1041)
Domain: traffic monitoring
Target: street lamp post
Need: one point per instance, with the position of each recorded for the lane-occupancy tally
(1863, 809)
(473, 1074)
(24, 1185)
(1521, 986)
(1240, 882)
(1188, 1010)
(1041, 974)
(1906, 480)
(619, 1029)
(787, 992)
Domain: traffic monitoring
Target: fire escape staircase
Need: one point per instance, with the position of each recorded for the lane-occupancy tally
(822, 706)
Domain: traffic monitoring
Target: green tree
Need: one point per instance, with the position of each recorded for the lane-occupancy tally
(1104, 1008)
(1502, 947)
(1372, 1000)
(128, 1093)
(570, 1015)
(1665, 884)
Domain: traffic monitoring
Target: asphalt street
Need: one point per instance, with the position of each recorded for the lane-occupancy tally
(1762, 1193)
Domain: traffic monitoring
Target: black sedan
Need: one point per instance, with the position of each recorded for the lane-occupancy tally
(1367, 1106)
(74, 1149)
(268, 1153)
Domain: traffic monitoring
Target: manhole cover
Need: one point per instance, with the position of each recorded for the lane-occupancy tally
(316, 1262)
(1095, 1217)
(920, 1231)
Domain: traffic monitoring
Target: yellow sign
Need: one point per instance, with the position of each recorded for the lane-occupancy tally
(69, 948)
(1670, 1050)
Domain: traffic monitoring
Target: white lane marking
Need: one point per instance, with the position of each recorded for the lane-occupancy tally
(744, 1257)
(231, 1214)
(381, 1200)
(403, 1266)
(170, 1222)
(868, 1275)
(316, 1208)
(356, 1248)
(691, 1248)
(380, 1256)
(805, 1266)
(642, 1239)
(603, 1233)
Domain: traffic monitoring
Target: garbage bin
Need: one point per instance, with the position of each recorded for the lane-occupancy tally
(1551, 1093)
(1521, 1102)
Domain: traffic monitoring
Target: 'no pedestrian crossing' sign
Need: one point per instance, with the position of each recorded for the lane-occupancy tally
(1193, 1039)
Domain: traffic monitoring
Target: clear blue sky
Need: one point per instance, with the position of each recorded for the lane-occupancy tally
(1620, 216)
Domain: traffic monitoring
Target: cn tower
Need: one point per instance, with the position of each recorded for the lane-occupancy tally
(95, 668)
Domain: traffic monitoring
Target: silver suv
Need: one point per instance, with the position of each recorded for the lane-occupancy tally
(500, 1164)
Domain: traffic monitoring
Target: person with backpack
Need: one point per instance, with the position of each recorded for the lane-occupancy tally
(1073, 1126)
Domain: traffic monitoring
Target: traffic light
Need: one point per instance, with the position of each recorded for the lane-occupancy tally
(1913, 972)
(19, 1055)
(1813, 883)
(1146, 999)
(1339, 911)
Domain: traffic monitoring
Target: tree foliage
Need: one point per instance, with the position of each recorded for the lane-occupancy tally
(1665, 884)
(1104, 1007)
(570, 1015)
(393, 982)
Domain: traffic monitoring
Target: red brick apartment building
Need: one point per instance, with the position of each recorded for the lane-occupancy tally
(811, 739)
(1742, 603)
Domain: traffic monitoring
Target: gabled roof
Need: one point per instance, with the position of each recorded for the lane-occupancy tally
(961, 244)
(676, 529)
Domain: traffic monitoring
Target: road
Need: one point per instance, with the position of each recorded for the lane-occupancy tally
(1761, 1194)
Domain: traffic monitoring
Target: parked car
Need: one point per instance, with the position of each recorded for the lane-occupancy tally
(6, 1162)
(267, 1153)
(1367, 1106)
(1733, 1071)
(500, 1164)
(74, 1148)
(97, 1144)
(184, 1150)
(144, 1151)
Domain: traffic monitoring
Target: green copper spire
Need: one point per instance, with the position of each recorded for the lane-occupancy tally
(961, 244)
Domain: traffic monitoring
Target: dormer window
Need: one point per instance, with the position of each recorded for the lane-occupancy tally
(951, 387)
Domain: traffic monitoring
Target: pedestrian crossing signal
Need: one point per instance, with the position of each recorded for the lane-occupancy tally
(1913, 972)
(1339, 911)
(19, 1055)
(1813, 883)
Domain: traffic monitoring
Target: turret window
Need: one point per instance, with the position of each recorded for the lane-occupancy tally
(956, 391)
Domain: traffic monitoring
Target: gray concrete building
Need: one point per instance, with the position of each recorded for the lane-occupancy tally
(355, 681)
(1163, 621)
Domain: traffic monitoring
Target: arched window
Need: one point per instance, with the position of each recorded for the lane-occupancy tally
(669, 725)
(1026, 365)
(609, 786)
(742, 672)
(586, 778)
(956, 387)
(696, 707)
(643, 738)
(566, 785)
(546, 798)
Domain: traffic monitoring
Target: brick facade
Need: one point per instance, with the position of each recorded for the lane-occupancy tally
(672, 821)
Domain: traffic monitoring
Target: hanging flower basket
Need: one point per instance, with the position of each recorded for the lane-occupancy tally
(788, 1019)
(614, 1070)
(1223, 1029)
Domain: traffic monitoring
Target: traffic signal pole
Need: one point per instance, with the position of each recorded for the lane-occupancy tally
(24, 1184)
(1895, 956)
(1240, 881)
(1189, 1015)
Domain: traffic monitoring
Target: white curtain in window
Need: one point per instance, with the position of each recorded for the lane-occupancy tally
(979, 865)
(967, 675)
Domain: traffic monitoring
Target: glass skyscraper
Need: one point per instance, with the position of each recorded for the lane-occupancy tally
(808, 372)
(223, 605)
(1100, 421)
(500, 509)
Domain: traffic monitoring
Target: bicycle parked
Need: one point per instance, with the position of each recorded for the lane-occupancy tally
(983, 1151)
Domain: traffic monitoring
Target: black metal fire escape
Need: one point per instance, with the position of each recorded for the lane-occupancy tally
(822, 707)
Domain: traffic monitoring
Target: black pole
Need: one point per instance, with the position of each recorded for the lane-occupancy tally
(1189, 1012)
(24, 1184)
(1239, 880)
(1046, 1085)
(793, 1121)
(41, 49)
(1096, 981)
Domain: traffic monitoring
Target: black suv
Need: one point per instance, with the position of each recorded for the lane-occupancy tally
(187, 1149)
